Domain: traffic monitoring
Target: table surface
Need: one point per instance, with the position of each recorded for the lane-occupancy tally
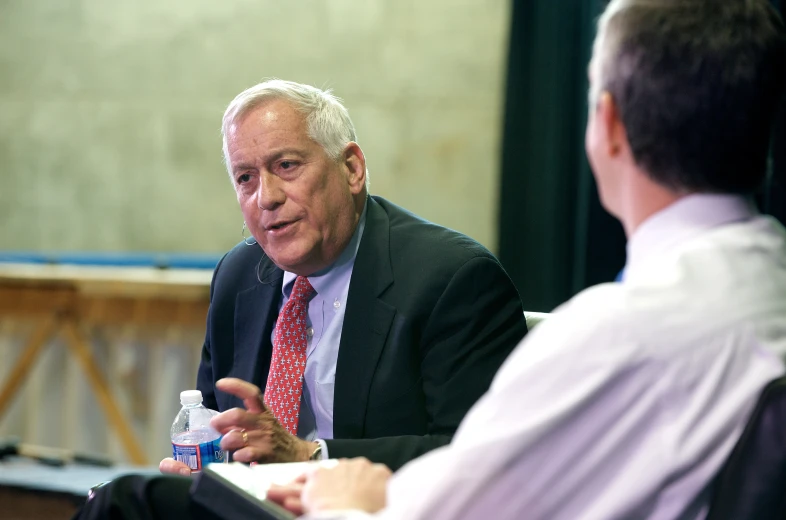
(80, 273)
(74, 479)
(108, 280)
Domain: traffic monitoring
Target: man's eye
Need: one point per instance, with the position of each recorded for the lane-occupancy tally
(243, 178)
(287, 165)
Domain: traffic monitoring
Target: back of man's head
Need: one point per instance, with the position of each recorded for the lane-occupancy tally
(697, 84)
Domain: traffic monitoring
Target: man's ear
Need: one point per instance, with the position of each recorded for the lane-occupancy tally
(615, 136)
(355, 163)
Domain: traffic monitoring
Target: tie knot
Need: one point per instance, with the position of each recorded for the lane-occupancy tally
(302, 289)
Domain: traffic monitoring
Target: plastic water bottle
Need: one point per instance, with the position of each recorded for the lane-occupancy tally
(194, 442)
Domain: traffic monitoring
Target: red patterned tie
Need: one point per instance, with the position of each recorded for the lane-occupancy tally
(285, 379)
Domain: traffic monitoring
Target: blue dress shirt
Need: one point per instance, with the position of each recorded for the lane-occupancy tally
(325, 321)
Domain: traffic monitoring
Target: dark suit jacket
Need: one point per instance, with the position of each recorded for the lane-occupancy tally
(430, 317)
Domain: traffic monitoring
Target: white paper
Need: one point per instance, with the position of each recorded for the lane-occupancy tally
(256, 480)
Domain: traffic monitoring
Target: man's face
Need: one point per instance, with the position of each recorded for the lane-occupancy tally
(297, 201)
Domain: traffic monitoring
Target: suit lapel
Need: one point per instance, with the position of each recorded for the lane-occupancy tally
(366, 325)
(256, 311)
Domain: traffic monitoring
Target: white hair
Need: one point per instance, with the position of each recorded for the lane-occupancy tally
(327, 119)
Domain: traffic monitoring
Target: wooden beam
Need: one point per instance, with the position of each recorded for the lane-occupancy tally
(78, 344)
(25, 362)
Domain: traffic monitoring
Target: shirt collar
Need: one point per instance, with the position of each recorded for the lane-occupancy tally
(682, 220)
(329, 279)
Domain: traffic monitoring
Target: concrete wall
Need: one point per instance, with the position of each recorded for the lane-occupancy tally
(110, 110)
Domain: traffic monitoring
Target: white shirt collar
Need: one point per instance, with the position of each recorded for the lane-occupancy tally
(682, 220)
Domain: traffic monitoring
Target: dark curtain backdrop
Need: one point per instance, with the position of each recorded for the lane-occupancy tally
(773, 200)
(555, 239)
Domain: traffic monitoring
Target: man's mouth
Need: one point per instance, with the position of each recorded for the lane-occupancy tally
(278, 227)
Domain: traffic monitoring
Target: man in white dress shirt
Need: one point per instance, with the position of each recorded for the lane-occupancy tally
(627, 401)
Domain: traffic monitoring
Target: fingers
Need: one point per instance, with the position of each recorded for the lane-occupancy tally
(250, 394)
(287, 496)
(238, 419)
(173, 467)
(261, 454)
(235, 440)
(247, 446)
(239, 443)
(294, 505)
(278, 493)
(251, 454)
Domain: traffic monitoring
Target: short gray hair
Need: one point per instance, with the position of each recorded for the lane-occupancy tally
(327, 119)
(697, 84)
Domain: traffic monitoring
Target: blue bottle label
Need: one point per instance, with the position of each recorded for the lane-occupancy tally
(196, 457)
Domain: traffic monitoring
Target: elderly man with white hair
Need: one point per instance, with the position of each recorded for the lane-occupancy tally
(398, 324)
(344, 326)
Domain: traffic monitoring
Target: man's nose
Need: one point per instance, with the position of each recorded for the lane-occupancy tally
(270, 194)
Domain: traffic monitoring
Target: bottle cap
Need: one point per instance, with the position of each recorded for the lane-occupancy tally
(190, 397)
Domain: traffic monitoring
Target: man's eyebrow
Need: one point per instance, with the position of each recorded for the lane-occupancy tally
(242, 166)
(272, 156)
(277, 154)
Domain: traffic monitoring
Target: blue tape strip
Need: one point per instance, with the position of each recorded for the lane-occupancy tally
(160, 260)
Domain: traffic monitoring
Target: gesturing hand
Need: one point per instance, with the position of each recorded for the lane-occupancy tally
(253, 434)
